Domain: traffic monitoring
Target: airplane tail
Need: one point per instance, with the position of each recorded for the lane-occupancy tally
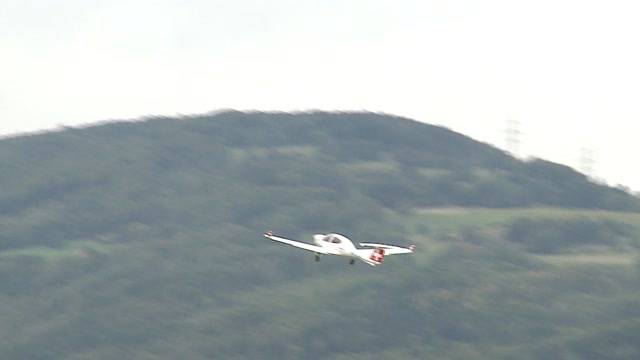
(372, 257)
(377, 255)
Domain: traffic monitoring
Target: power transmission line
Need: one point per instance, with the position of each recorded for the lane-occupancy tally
(512, 137)
(587, 161)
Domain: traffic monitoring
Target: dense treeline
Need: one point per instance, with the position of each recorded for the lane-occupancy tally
(395, 161)
(142, 240)
(556, 235)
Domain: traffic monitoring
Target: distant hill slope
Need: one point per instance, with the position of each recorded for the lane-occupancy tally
(396, 162)
(142, 240)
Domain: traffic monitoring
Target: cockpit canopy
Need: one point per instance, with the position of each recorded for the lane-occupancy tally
(332, 239)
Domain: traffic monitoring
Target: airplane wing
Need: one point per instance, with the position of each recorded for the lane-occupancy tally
(390, 249)
(298, 244)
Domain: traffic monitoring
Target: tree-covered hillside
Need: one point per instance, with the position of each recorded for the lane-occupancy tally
(142, 240)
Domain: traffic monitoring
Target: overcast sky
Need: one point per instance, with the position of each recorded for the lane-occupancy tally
(568, 71)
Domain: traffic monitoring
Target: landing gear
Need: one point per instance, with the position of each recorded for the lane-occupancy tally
(317, 257)
(352, 261)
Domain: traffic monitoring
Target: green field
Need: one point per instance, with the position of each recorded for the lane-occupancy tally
(436, 227)
(456, 218)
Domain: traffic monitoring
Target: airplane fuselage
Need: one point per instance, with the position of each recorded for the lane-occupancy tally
(341, 245)
(336, 244)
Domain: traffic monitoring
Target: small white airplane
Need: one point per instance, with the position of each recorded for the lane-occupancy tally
(336, 244)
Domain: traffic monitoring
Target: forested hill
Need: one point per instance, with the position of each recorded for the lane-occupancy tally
(395, 162)
(142, 240)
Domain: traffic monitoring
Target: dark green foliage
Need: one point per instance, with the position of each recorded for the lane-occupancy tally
(552, 235)
(142, 240)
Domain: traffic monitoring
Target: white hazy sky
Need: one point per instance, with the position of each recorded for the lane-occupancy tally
(567, 70)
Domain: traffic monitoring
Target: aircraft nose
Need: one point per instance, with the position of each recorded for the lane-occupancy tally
(317, 238)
